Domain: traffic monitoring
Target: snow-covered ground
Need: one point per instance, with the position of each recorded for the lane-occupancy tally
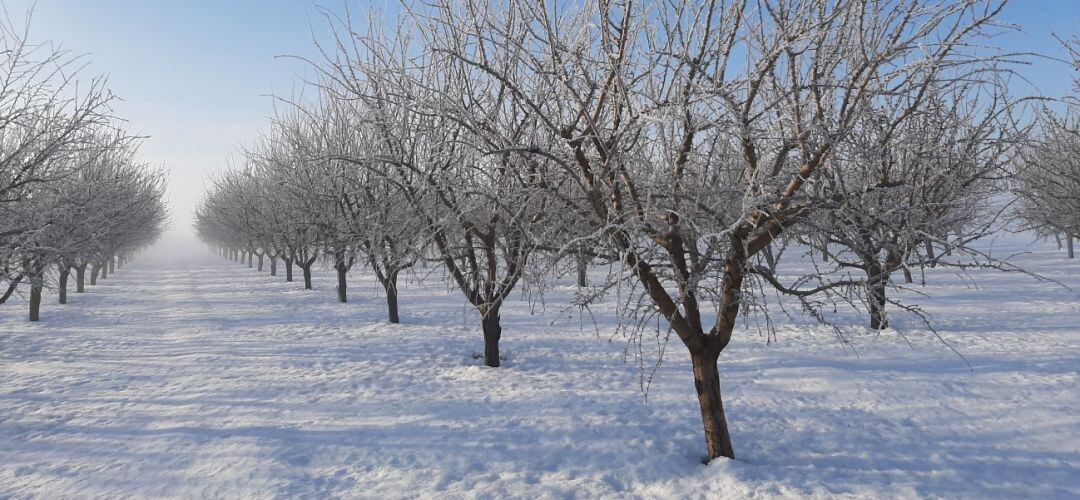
(202, 378)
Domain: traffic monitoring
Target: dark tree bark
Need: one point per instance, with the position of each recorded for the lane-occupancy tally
(492, 334)
(80, 278)
(1069, 244)
(582, 262)
(307, 275)
(104, 270)
(273, 265)
(342, 284)
(260, 268)
(707, 383)
(288, 269)
(10, 289)
(250, 259)
(95, 271)
(65, 271)
(392, 303)
(112, 265)
(37, 282)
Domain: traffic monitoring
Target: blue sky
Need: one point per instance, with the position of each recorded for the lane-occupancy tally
(196, 75)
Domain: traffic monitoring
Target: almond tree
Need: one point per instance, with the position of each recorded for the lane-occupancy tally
(693, 129)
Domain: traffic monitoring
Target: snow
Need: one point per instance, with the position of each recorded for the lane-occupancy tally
(198, 377)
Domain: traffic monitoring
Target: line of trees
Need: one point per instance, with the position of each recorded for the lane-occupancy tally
(73, 195)
(692, 145)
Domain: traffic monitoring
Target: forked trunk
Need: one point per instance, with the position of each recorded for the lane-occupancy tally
(707, 383)
(492, 334)
(65, 271)
(80, 278)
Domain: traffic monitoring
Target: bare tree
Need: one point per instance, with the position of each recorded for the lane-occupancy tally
(693, 129)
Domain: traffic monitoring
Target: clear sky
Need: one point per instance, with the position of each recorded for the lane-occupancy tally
(196, 75)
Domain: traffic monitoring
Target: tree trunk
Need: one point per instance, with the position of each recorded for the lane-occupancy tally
(273, 265)
(307, 275)
(582, 262)
(36, 284)
(112, 265)
(876, 298)
(65, 271)
(288, 270)
(342, 284)
(250, 259)
(492, 334)
(1069, 244)
(929, 245)
(390, 285)
(907, 275)
(10, 290)
(104, 270)
(95, 269)
(825, 252)
(707, 383)
(260, 263)
(1057, 238)
(80, 278)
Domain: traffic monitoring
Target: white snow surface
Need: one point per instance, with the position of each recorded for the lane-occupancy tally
(200, 377)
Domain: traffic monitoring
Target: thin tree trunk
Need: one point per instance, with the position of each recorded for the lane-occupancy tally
(112, 265)
(390, 286)
(1057, 238)
(492, 334)
(95, 270)
(707, 383)
(1069, 244)
(80, 278)
(273, 265)
(929, 245)
(10, 290)
(36, 284)
(288, 270)
(825, 252)
(342, 283)
(250, 259)
(260, 263)
(65, 271)
(582, 262)
(104, 270)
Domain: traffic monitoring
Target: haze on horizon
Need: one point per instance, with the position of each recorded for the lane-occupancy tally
(198, 78)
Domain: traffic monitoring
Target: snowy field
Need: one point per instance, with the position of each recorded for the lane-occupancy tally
(202, 378)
